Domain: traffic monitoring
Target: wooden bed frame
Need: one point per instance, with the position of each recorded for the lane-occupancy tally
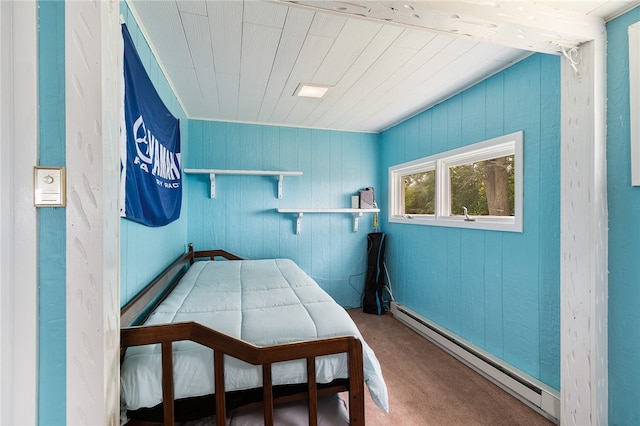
(132, 334)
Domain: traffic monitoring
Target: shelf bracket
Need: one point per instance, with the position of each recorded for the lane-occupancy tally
(280, 179)
(212, 179)
(356, 217)
(298, 222)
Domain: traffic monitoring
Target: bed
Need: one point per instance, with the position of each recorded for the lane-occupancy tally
(263, 325)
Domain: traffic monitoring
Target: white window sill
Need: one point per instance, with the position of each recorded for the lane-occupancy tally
(493, 223)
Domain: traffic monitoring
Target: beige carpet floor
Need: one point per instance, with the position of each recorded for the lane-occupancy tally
(427, 386)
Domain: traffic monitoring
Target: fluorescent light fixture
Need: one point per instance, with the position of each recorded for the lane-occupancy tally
(308, 90)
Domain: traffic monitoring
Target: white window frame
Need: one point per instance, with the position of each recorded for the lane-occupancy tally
(511, 144)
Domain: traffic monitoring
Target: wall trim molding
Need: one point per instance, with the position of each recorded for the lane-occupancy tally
(93, 70)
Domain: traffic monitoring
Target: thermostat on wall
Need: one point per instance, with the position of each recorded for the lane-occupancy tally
(49, 186)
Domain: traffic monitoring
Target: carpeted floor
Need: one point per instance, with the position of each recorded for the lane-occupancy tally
(427, 386)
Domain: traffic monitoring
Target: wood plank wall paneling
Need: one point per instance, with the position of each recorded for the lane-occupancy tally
(494, 105)
(493, 281)
(522, 102)
(242, 218)
(549, 225)
(624, 228)
(498, 290)
(51, 280)
(472, 303)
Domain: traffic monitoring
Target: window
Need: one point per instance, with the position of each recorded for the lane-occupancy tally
(419, 186)
(476, 186)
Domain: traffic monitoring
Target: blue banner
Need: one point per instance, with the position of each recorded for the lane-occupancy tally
(151, 178)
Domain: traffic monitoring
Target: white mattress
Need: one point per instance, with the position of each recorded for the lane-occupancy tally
(262, 302)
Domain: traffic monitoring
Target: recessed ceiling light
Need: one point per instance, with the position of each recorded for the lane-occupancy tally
(308, 90)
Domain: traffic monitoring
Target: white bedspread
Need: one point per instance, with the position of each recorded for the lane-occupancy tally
(263, 302)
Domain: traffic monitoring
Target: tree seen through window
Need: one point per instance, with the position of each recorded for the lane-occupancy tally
(485, 188)
(420, 193)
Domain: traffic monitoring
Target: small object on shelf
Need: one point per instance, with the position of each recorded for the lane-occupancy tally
(355, 201)
(367, 198)
(357, 214)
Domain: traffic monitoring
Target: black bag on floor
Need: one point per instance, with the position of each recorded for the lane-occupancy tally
(372, 300)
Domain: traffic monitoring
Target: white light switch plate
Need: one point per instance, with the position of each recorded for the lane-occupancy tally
(49, 186)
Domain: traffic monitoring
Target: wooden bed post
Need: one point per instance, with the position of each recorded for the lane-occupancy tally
(167, 384)
(218, 375)
(191, 253)
(267, 394)
(356, 384)
(312, 390)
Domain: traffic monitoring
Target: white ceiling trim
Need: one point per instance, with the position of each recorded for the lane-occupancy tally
(535, 26)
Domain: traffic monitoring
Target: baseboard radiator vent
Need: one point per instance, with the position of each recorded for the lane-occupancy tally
(527, 389)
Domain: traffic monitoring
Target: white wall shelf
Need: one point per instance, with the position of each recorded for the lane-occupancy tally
(213, 172)
(357, 214)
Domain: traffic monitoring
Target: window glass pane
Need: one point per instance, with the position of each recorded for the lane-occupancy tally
(419, 192)
(485, 188)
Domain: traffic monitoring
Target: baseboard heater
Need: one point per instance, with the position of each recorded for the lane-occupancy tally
(527, 389)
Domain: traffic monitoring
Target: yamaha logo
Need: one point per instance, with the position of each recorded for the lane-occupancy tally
(153, 155)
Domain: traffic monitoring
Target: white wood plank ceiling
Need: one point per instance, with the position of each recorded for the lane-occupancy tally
(241, 61)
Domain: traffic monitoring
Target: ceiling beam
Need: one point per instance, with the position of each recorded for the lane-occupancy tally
(533, 26)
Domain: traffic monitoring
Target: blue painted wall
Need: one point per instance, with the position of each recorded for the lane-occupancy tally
(624, 234)
(498, 290)
(52, 357)
(242, 218)
(145, 251)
